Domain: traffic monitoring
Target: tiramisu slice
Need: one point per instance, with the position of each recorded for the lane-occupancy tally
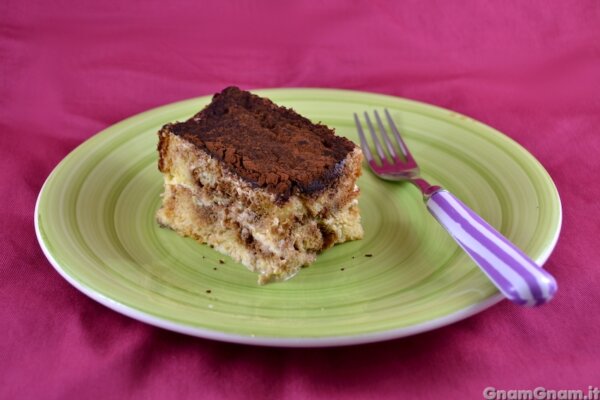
(259, 183)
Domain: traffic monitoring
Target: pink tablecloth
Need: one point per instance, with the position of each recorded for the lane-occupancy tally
(68, 70)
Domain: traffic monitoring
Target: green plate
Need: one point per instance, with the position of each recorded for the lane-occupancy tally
(95, 222)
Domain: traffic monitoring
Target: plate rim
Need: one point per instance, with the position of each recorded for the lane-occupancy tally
(298, 342)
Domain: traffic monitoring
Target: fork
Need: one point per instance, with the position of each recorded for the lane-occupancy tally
(516, 275)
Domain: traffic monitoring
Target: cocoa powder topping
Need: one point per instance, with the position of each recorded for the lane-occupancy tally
(271, 147)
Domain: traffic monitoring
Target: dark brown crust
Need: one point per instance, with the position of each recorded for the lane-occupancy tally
(269, 146)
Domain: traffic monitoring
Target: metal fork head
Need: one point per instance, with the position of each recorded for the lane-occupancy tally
(387, 165)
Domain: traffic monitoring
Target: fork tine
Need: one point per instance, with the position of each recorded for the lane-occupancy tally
(378, 146)
(401, 143)
(363, 139)
(385, 135)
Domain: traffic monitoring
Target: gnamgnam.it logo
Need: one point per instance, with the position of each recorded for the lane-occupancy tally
(541, 393)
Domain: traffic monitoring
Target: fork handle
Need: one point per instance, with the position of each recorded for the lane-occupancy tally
(518, 277)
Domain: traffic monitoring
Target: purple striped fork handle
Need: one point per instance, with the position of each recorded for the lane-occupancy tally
(519, 278)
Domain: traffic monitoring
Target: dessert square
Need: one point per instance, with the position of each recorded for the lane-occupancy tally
(259, 183)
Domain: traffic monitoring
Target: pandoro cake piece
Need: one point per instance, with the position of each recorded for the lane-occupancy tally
(259, 183)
